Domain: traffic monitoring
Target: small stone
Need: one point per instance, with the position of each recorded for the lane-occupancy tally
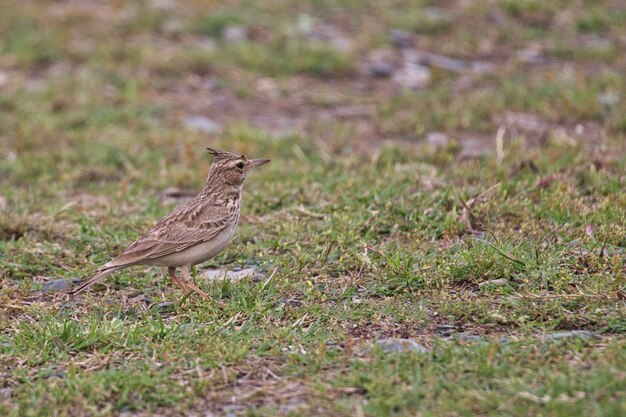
(380, 70)
(176, 195)
(202, 123)
(56, 285)
(5, 393)
(469, 154)
(437, 140)
(401, 345)
(468, 337)
(401, 38)
(496, 16)
(609, 98)
(413, 77)
(172, 27)
(3, 78)
(500, 282)
(233, 274)
(234, 34)
(531, 55)
(598, 44)
(572, 334)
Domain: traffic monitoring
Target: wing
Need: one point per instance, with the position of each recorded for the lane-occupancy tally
(188, 225)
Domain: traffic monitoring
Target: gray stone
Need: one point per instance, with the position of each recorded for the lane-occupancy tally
(202, 123)
(609, 99)
(468, 337)
(56, 285)
(380, 69)
(234, 33)
(5, 393)
(572, 334)
(413, 77)
(437, 140)
(175, 195)
(531, 56)
(401, 345)
(401, 38)
(496, 16)
(236, 273)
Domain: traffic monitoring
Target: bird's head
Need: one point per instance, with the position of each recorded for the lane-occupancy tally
(231, 168)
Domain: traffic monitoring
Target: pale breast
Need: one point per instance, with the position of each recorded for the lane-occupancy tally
(198, 253)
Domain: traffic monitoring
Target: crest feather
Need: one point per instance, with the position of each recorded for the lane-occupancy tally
(221, 154)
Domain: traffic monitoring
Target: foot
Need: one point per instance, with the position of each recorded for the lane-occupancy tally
(186, 272)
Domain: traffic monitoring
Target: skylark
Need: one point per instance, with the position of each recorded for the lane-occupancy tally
(195, 231)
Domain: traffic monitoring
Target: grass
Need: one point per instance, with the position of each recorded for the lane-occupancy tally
(361, 228)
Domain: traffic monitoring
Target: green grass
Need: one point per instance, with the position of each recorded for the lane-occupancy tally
(367, 231)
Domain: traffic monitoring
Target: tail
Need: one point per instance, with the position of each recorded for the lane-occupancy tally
(97, 277)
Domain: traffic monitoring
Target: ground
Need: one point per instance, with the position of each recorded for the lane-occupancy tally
(441, 231)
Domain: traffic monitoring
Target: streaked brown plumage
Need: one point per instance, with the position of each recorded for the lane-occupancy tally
(195, 231)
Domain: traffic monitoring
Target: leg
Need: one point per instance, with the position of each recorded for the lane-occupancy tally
(186, 270)
(171, 271)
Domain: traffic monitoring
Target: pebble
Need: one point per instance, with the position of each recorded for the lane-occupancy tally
(401, 38)
(57, 285)
(176, 195)
(380, 70)
(468, 337)
(437, 140)
(497, 17)
(572, 334)
(5, 393)
(531, 56)
(401, 345)
(234, 34)
(236, 273)
(202, 123)
(609, 98)
(413, 77)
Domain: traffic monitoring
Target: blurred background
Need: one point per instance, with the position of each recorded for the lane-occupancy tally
(93, 91)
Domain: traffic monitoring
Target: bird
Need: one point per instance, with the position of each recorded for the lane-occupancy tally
(195, 231)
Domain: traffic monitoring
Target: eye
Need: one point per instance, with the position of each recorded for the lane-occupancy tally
(240, 165)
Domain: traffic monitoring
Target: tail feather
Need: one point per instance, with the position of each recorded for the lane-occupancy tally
(97, 277)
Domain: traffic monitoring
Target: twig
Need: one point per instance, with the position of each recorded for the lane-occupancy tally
(267, 281)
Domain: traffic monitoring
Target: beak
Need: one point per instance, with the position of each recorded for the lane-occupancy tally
(257, 162)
